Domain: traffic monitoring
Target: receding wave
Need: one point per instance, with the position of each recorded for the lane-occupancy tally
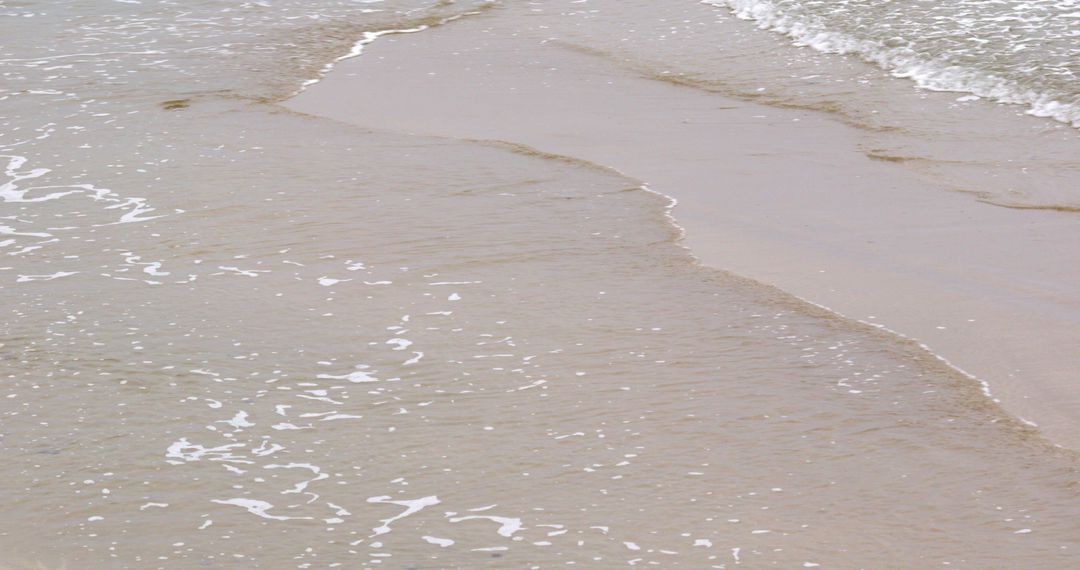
(1010, 52)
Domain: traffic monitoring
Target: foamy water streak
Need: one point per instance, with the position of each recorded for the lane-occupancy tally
(358, 48)
(1016, 51)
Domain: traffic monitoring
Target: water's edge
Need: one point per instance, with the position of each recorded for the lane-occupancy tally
(918, 350)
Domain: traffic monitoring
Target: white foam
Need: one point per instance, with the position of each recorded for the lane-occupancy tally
(238, 421)
(331, 416)
(10, 231)
(285, 426)
(257, 508)
(443, 542)
(936, 74)
(185, 451)
(507, 525)
(301, 486)
(244, 272)
(153, 269)
(358, 48)
(57, 275)
(357, 376)
(10, 191)
(411, 507)
(264, 449)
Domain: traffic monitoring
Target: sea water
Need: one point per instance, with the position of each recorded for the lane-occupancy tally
(234, 335)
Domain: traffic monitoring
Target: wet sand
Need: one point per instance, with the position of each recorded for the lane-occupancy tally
(241, 336)
(786, 197)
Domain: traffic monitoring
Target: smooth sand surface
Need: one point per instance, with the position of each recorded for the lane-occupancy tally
(782, 196)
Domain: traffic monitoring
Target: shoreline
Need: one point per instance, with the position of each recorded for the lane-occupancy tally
(921, 72)
(801, 207)
(486, 317)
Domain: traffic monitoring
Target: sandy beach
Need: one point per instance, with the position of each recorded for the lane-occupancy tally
(592, 283)
(786, 197)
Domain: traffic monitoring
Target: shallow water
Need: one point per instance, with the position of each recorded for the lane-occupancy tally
(1013, 51)
(996, 152)
(279, 341)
